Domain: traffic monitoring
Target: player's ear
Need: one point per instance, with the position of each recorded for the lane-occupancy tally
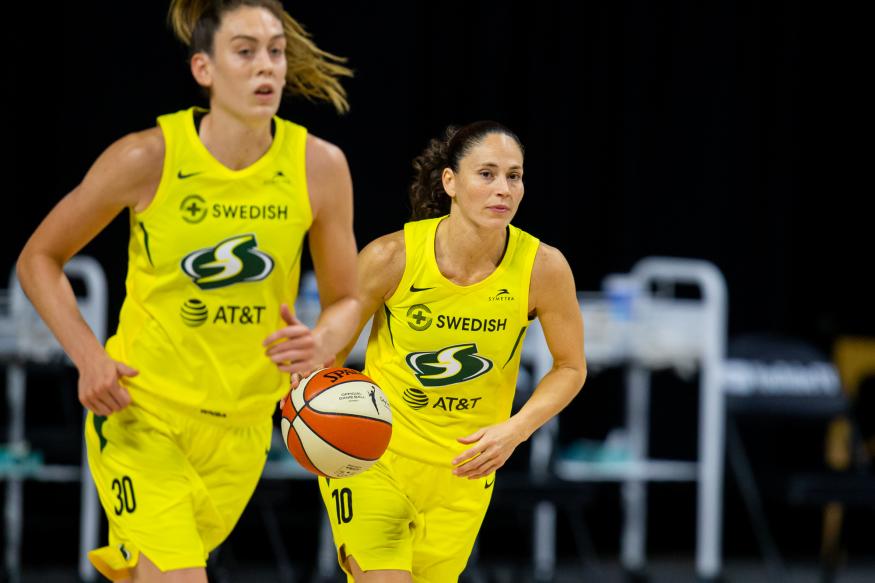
(448, 178)
(201, 69)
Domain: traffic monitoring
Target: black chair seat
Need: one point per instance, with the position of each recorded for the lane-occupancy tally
(853, 488)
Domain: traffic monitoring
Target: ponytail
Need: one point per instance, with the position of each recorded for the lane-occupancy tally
(427, 195)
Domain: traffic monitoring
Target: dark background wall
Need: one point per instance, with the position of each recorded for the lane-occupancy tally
(651, 128)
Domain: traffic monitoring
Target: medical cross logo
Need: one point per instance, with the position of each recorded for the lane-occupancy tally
(193, 208)
(419, 317)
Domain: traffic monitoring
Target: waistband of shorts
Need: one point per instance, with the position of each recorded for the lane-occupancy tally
(158, 405)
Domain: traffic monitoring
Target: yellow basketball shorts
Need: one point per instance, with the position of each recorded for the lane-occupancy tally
(406, 515)
(172, 487)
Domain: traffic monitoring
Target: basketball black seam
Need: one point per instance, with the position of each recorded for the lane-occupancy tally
(303, 449)
(315, 410)
(306, 400)
(329, 444)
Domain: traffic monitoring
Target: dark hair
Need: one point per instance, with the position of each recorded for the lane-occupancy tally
(210, 20)
(427, 195)
(311, 73)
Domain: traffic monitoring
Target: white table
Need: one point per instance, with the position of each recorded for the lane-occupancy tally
(637, 323)
(25, 339)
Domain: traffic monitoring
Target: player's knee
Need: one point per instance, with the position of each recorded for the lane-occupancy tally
(352, 566)
(147, 572)
(378, 576)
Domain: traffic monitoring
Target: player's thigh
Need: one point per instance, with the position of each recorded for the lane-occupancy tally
(144, 484)
(441, 552)
(370, 520)
(229, 462)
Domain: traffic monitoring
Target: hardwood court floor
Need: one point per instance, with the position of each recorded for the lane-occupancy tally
(661, 571)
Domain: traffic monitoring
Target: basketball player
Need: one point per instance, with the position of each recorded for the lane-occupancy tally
(452, 296)
(181, 399)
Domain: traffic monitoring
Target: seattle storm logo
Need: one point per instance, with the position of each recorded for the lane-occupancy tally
(448, 366)
(234, 260)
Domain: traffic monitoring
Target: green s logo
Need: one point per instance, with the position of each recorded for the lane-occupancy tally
(232, 261)
(448, 366)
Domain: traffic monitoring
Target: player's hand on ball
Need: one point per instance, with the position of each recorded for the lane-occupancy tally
(293, 348)
(99, 387)
(493, 446)
(294, 381)
(296, 378)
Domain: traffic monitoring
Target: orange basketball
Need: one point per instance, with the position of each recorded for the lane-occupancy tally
(337, 422)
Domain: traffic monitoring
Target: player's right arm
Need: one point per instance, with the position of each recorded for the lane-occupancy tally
(380, 267)
(126, 174)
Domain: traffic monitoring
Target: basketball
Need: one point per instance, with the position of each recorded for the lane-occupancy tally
(336, 422)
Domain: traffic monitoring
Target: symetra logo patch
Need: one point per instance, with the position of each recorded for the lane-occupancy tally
(502, 295)
(234, 260)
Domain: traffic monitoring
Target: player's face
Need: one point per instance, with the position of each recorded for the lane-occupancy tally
(247, 70)
(489, 184)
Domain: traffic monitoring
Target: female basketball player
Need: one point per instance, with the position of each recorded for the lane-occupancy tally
(451, 296)
(220, 200)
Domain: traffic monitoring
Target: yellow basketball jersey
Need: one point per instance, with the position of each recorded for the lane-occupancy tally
(446, 355)
(210, 261)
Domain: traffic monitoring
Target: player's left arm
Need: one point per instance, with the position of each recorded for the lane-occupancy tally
(553, 296)
(298, 349)
(332, 247)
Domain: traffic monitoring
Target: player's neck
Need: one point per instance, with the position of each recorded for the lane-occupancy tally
(232, 141)
(466, 253)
